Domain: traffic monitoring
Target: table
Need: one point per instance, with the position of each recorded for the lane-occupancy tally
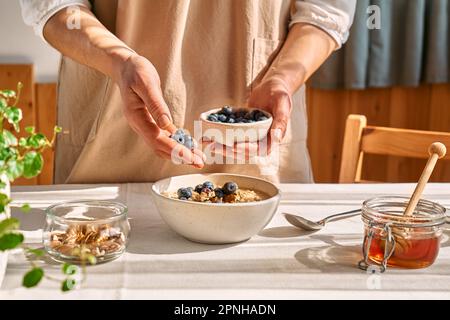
(279, 263)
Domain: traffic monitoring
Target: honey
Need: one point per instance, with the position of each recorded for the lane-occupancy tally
(407, 253)
(392, 239)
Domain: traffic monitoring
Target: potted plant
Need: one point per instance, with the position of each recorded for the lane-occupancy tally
(20, 157)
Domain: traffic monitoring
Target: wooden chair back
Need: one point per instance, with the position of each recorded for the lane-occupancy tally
(359, 138)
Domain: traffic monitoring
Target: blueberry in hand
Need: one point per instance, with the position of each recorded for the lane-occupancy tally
(219, 193)
(179, 136)
(184, 193)
(209, 185)
(230, 188)
(189, 142)
(180, 132)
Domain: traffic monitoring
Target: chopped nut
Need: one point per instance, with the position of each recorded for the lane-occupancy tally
(94, 239)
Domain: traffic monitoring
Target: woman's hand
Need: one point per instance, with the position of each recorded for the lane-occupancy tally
(273, 95)
(147, 113)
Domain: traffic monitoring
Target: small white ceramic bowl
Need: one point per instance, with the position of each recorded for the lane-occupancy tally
(230, 133)
(216, 223)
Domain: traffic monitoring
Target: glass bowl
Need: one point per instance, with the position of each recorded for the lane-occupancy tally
(77, 231)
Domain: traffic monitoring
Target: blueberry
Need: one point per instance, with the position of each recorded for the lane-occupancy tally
(213, 117)
(240, 113)
(226, 110)
(249, 115)
(189, 142)
(199, 188)
(219, 193)
(180, 138)
(259, 116)
(231, 120)
(208, 184)
(239, 120)
(230, 188)
(184, 193)
(222, 118)
(262, 118)
(180, 132)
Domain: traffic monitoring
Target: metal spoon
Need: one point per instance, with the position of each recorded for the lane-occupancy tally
(309, 225)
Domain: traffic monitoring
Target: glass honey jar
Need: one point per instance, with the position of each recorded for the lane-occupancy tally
(392, 239)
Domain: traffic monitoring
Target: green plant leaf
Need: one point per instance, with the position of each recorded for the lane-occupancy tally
(14, 169)
(3, 104)
(37, 140)
(13, 115)
(9, 225)
(23, 142)
(25, 208)
(33, 277)
(33, 163)
(36, 252)
(69, 269)
(30, 129)
(10, 241)
(7, 154)
(8, 93)
(68, 284)
(4, 201)
(9, 138)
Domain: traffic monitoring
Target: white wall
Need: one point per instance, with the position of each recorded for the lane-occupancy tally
(19, 44)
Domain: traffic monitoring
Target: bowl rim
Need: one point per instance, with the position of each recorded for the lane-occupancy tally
(211, 204)
(122, 207)
(203, 117)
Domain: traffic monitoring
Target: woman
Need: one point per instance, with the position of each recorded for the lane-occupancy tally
(134, 71)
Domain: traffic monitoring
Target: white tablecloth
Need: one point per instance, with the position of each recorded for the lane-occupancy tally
(279, 263)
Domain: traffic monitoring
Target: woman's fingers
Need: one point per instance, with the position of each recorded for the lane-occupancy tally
(141, 77)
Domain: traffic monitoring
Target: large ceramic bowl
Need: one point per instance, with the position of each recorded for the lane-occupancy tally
(216, 223)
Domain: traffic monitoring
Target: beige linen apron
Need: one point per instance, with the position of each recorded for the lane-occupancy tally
(208, 53)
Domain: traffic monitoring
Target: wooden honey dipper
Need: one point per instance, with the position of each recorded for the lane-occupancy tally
(437, 151)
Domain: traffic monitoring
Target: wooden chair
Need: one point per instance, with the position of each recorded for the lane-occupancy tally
(359, 138)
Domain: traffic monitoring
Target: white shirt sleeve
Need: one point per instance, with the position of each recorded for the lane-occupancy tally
(36, 13)
(333, 16)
